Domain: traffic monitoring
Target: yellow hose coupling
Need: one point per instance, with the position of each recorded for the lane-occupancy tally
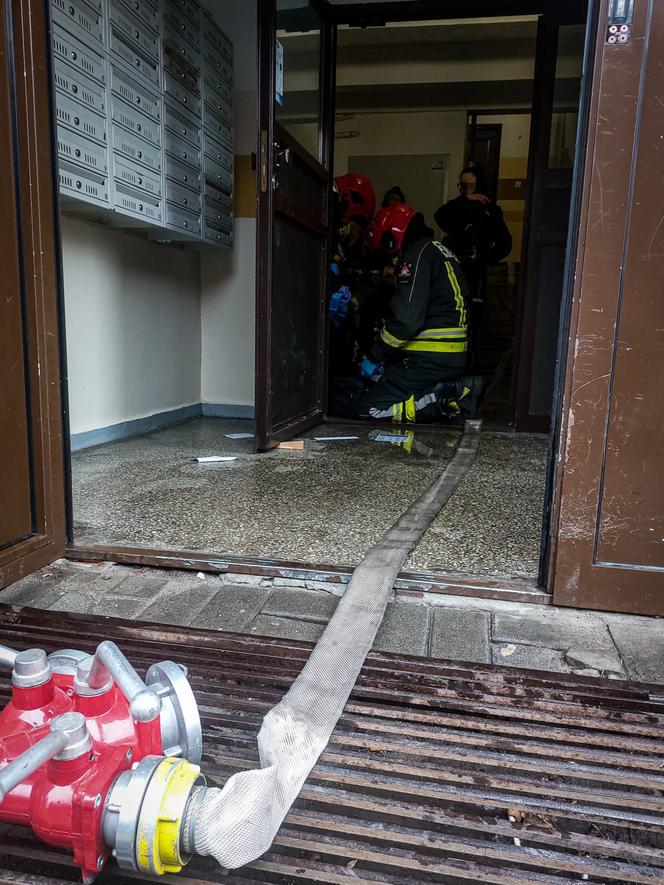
(159, 828)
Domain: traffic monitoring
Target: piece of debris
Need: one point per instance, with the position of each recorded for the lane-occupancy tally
(295, 444)
(239, 435)
(334, 438)
(507, 650)
(200, 576)
(213, 459)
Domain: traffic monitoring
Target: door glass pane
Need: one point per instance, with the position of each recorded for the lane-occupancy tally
(566, 96)
(297, 105)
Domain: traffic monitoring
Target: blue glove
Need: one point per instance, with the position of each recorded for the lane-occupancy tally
(339, 303)
(368, 368)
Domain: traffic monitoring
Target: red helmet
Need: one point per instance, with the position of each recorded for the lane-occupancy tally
(388, 228)
(356, 196)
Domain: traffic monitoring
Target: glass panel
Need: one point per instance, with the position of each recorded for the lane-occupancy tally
(566, 96)
(299, 52)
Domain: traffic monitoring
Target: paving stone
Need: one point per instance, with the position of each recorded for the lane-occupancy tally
(179, 602)
(640, 642)
(405, 629)
(460, 635)
(314, 606)
(73, 602)
(604, 662)
(529, 657)
(39, 589)
(552, 628)
(35, 597)
(231, 608)
(118, 607)
(92, 584)
(137, 584)
(286, 628)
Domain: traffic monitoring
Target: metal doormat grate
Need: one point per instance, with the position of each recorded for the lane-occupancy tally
(437, 772)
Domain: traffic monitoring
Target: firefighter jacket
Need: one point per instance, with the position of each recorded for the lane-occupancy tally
(429, 306)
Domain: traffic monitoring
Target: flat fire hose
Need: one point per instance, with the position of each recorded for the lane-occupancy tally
(238, 823)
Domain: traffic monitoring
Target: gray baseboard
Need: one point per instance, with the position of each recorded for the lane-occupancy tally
(139, 426)
(223, 410)
(136, 427)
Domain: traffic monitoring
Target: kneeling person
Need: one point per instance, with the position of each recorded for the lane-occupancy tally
(424, 343)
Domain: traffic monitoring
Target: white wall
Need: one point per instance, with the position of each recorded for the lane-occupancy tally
(227, 320)
(132, 310)
(436, 132)
(228, 279)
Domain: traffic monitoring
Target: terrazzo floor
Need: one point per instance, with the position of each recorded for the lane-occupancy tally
(325, 505)
(492, 525)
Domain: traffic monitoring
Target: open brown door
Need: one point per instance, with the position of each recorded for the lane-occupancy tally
(558, 61)
(32, 505)
(296, 78)
(610, 546)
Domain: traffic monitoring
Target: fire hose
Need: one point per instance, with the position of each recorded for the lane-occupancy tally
(103, 763)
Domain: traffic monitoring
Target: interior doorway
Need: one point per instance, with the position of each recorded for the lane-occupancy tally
(483, 147)
(519, 120)
(143, 497)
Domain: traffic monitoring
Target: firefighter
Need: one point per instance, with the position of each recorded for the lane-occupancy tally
(355, 203)
(417, 362)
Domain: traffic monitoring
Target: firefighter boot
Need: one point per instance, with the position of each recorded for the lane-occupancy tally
(470, 395)
(458, 399)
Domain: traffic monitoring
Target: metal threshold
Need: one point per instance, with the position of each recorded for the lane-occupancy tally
(418, 583)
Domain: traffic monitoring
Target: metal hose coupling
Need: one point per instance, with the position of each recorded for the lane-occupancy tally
(149, 813)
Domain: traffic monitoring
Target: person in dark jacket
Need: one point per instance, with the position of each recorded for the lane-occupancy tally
(476, 232)
(417, 361)
(393, 196)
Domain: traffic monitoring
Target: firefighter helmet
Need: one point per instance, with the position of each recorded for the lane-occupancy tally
(357, 198)
(388, 228)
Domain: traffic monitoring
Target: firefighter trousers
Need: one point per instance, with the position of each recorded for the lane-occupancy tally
(405, 392)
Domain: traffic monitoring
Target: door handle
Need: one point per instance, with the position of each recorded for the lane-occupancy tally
(283, 155)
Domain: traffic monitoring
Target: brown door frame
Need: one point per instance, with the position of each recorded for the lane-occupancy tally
(539, 179)
(578, 577)
(33, 173)
(267, 203)
(540, 128)
(483, 587)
